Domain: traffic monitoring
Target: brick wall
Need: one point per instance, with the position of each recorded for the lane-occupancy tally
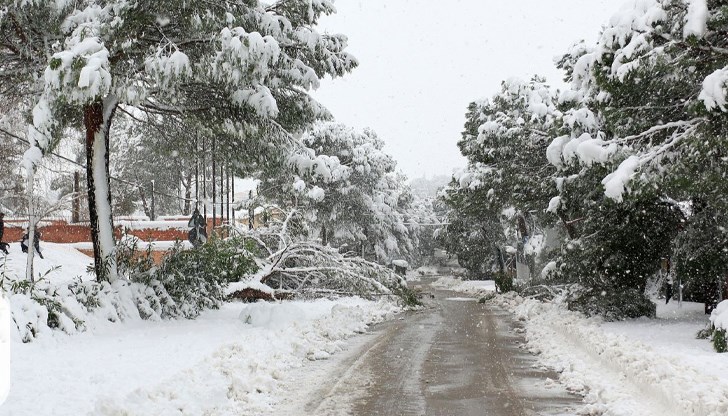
(61, 232)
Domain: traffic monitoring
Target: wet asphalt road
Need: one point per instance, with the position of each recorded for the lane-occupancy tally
(455, 357)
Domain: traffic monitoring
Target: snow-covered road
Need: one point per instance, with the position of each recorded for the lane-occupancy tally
(455, 357)
(635, 367)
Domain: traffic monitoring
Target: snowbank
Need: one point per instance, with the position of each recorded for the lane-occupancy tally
(719, 316)
(61, 262)
(475, 287)
(618, 375)
(246, 376)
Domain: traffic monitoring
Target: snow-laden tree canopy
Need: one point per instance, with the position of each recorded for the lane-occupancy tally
(649, 90)
(505, 134)
(349, 189)
(242, 68)
(508, 177)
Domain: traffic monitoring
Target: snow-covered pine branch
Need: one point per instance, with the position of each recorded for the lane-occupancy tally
(234, 64)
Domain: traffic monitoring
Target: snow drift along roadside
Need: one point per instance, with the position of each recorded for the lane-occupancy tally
(245, 378)
(619, 376)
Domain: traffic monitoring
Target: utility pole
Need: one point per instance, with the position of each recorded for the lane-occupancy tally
(232, 182)
(204, 178)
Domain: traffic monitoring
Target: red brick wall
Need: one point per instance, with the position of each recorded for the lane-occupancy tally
(60, 232)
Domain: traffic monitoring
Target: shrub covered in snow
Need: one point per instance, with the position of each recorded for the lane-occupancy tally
(43, 306)
(189, 281)
(186, 283)
(719, 323)
(613, 305)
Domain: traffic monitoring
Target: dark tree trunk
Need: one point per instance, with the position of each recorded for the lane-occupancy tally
(569, 225)
(76, 204)
(97, 120)
(214, 184)
(499, 258)
(324, 237)
(145, 206)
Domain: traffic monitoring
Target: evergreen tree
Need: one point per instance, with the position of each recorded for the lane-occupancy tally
(508, 178)
(350, 191)
(243, 69)
(653, 84)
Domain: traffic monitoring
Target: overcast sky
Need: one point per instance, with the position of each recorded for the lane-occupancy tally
(423, 61)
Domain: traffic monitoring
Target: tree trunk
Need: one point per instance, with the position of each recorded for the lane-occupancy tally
(569, 225)
(214, 184)
(187, 208)
(30, 180)
(76, 204)
(324, 237)
(501, 261)
(97, 121)
(145, 206)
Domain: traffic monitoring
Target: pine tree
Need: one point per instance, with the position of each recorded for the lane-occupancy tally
(652, 85)
(243, 69)
(350, 191)
(508, 180)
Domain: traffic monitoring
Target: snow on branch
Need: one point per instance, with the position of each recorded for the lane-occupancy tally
(713, 93)
(306, 266)
(617, 182)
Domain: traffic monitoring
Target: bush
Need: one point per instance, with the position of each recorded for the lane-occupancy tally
(503, 282)
(719, 340)
(613, 305)
(408, 297)
(190, 281)
(185, 283)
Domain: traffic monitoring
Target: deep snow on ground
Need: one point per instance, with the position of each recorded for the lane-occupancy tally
(673, 334)
(475, 287)
(637, 367)
(231, 361)
(226, 362)
(61, 262)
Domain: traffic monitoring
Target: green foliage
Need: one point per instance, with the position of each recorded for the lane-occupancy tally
(503, 282)
(487, 297)
(192, 280)
(705, 333)
(613, 305)
(409, 298)
(720, 342)
(474, 232)
(508, 175)
(624, 244)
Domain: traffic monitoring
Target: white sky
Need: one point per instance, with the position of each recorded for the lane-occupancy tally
(423, 61)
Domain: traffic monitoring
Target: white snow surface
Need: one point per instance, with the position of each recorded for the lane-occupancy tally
(61, 262)
(215, 365)
(696, 21)
(475, 287)
(616, 183)
(713, 93)
(636, 367)
(719, 316)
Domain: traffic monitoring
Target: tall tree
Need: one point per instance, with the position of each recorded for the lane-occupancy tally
(351, 192)
(508, 179)
(241, 67)
(654, 86)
